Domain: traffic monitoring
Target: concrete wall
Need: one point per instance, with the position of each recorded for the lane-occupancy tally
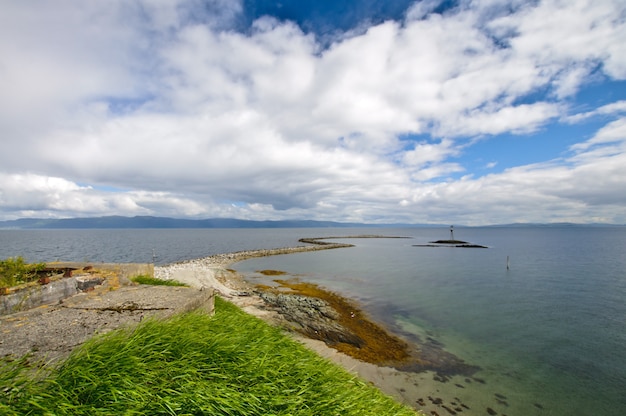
(29, 296)
(35, 295)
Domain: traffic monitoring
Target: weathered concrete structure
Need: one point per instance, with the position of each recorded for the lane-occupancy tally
(56, 317)
(75, 278)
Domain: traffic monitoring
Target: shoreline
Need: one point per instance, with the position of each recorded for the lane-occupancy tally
(435, 388)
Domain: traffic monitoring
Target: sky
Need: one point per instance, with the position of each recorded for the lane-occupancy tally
(469, 112)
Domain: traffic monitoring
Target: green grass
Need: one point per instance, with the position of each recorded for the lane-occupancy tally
(14, 271)
(192, 364)
(149, 280)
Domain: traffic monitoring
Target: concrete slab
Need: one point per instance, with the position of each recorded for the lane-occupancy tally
(52, 331)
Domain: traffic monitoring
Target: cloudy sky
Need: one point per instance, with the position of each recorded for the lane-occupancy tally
(464, 112)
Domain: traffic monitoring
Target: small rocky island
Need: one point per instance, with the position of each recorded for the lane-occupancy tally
(451, 242)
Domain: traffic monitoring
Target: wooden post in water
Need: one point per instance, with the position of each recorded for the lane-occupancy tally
(508, 265)
(452, 233)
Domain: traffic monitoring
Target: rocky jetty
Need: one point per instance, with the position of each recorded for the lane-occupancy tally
(222, 261)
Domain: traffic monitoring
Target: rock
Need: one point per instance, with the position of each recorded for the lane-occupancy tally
(86, 283)
(311, 316)
(452, 412)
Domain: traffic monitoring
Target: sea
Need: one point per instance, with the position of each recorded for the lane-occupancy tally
(541, 312)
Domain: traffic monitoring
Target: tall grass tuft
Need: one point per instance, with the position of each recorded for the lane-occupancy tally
(149, 280)
(14, 271)
(194, 364)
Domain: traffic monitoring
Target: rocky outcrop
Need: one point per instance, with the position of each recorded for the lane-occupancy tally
(311, 316)
(450, 243)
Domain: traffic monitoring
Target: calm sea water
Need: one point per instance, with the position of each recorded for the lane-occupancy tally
(161, 246)
(549, 332)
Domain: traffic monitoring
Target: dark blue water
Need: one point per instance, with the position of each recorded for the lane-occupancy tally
(549, 331)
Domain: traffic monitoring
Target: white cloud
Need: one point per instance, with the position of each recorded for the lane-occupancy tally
(612, 136)
(605, 110)
(568, 81)
(588, 186)
(191, 116)
(523, 118)
(555, 34)
(31, 195)
(421, 9)
(424, 153)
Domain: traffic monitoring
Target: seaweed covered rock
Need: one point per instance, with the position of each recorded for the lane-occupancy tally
(311, 316)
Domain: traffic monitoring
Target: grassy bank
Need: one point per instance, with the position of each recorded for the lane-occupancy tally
(228, 364)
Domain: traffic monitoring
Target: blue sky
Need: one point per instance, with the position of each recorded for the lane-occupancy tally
(470, 112)
(326, 17)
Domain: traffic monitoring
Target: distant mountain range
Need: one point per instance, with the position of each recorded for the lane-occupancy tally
(165, 222)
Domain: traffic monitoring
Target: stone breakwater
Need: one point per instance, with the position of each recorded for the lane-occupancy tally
(218, 262)
(222, 261)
